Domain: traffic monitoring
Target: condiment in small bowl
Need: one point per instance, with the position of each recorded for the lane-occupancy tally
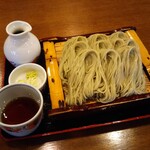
(21, 109)
(29, 73)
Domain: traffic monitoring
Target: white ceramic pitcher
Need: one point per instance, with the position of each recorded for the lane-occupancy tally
(21, 46)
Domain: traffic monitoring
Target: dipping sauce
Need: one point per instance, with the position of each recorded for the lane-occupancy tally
(19, 110)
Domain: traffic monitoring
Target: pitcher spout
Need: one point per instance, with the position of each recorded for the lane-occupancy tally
(18, 27)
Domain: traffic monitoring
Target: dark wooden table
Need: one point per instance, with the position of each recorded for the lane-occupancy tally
(68, 18)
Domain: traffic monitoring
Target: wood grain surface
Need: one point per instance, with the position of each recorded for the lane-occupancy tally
(75, 17)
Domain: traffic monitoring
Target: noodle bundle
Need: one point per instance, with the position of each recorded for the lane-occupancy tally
(101, 66)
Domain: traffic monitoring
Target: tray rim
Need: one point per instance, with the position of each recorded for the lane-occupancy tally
(62, 38)
(142, 117)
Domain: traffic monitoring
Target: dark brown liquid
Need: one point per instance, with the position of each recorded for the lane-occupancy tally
(19, 110)
(18, 31)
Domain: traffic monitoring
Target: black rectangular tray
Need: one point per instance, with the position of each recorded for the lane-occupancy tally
(66, 120)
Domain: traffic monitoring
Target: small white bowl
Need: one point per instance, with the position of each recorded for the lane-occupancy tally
(29, 73)
(13, 91)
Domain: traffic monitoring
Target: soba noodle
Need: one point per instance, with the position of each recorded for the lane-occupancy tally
(102, 66)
